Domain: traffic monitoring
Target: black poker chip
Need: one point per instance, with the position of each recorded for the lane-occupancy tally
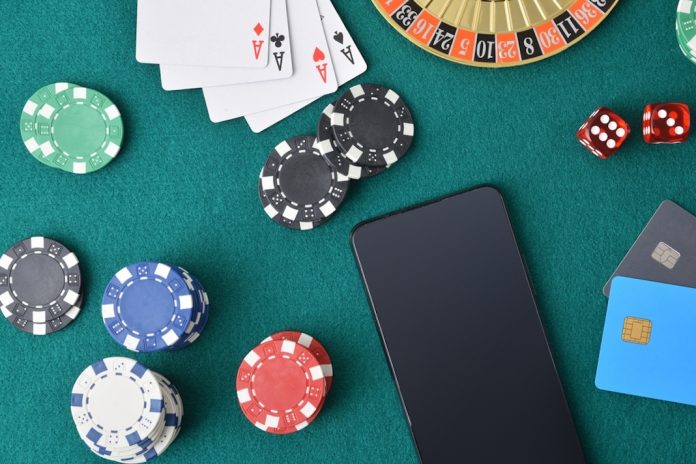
(298, 187)
(326, 143)
(373, 126)
(274, 214)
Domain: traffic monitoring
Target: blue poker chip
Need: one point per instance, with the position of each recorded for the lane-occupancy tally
(147, 307)
(201, 309)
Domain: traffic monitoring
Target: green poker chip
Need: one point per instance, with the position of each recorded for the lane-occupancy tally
(686, 24)
(72, 128)
(686, 50)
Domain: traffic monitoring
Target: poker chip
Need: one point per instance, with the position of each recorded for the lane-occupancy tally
(372, 125)
(298, 187)
(280, 386)
(326, 143)
(116, 403)
(201, 309)
(305, 179)
(72, 128)
(686, 28)
(274, 214)
(313, 345)
(40, 285)
(150, 307)
(45, 328)
(124, 412)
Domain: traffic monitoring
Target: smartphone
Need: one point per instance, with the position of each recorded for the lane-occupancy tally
(456, 313)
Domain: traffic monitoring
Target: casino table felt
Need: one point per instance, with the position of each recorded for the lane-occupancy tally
(184, 190)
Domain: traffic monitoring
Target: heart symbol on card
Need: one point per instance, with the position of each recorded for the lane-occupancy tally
(318, 55)
(338, 37)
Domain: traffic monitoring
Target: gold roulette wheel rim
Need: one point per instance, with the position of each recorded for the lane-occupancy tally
(495, 33)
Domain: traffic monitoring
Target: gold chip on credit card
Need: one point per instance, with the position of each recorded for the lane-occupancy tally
(636, 330)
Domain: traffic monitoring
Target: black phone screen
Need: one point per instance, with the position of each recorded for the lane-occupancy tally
(459, 324)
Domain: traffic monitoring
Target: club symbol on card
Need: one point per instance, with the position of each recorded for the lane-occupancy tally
(257, 44)
(278, 40)
(319, 58)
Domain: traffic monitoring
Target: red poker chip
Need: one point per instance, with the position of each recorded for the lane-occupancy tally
(288, 431)
(280, 386)
(313, 345)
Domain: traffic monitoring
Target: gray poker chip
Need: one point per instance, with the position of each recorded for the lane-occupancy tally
(40, 280)
(48, 327)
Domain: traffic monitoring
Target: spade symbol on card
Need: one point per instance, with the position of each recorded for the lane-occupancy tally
(318, 57)
(347, 51)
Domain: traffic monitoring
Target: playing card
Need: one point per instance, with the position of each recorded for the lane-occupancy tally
(203, 32)
(177, 77)
(647, 346)
(313, 74)
(665, 251)
(347, 59)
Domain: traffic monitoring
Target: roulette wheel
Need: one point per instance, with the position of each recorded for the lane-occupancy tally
(494, 33)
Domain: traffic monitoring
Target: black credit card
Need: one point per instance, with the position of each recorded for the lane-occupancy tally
(665, 251)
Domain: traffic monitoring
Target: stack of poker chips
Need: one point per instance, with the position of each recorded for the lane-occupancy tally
(124, 412)
(150, 307)
(305, 179)
(282, 383)
(40, 285)
(71, 128)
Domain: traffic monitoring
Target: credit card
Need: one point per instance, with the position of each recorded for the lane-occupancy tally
(665, 251)
(647, 347)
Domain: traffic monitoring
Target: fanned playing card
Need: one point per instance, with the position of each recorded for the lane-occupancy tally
(177, 77)
(313, 74)
(347, 59)
(231, 33)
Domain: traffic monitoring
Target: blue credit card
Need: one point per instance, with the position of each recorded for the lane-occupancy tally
(648, 347)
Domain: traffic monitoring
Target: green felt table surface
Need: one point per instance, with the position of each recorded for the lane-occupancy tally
(184, 190)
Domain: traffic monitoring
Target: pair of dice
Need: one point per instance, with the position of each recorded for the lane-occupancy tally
(604, 131)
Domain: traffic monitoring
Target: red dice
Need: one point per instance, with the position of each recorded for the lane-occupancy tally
(603, 133)
(666, 123)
